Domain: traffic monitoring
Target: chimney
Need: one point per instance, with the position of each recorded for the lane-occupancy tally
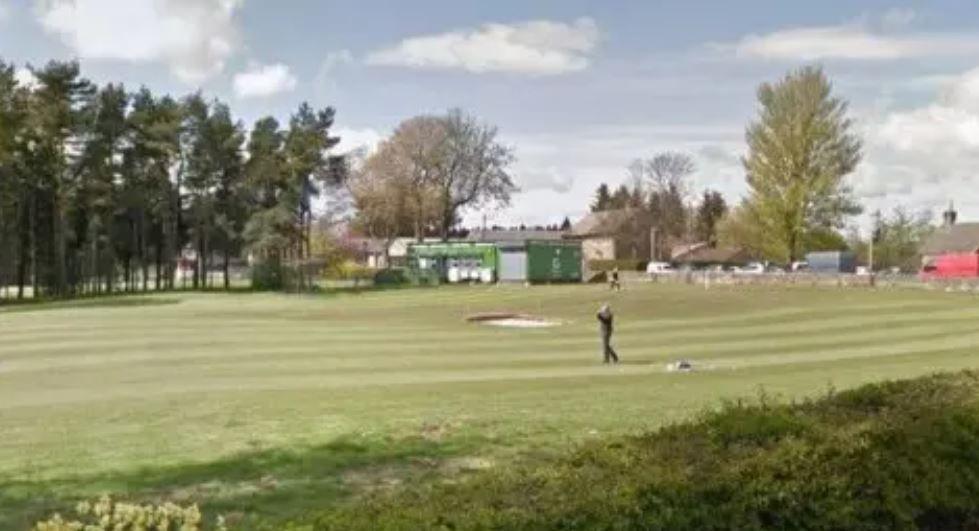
(950, 216)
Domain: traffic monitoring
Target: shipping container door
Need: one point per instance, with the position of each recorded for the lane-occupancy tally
(513, 266)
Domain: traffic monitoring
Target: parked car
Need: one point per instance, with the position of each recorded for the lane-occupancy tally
(754, 268)
(659, 268)
(799, 267)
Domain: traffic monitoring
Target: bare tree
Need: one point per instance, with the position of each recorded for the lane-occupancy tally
(473, 169)
(436, 167)
(667, 175)
(384, 199)
(670, 168)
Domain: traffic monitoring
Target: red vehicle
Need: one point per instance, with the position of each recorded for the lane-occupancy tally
(964, 265)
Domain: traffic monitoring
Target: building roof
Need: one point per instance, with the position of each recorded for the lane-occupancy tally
(713, 255)
(960, 238)
(367, 245)
(605, 223)
(514, 236)
(685, 249)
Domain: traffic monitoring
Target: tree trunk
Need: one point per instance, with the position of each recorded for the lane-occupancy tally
(23, 253)
(60, 244)
(227, 280)
(158, 257)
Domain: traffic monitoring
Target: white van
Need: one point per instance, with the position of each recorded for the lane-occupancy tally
(659, 268)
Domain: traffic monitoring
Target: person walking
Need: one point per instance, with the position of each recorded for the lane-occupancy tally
(614, 280)
(605, 319)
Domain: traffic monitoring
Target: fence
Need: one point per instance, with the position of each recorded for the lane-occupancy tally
(709, 278)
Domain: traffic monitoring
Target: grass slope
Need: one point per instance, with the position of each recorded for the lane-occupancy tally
(274, 405)
(898, 455)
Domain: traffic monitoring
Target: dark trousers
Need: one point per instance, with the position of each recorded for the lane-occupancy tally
(607, 349)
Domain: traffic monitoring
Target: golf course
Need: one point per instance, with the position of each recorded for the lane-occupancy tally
(267, 406)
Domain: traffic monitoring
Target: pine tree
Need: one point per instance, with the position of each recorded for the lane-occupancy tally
(603, 198)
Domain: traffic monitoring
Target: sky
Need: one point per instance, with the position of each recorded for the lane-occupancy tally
(578, 88)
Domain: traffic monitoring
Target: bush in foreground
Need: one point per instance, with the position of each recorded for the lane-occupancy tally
(105, 514)
(898, 455)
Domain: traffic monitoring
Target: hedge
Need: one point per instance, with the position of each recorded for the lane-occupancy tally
(623, 265)
(897, 455)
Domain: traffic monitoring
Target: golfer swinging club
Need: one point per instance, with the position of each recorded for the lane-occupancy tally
(605, 318)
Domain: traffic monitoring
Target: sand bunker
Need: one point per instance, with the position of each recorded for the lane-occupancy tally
(512, 320)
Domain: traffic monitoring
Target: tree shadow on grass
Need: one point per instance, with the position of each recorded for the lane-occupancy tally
(255, 488)
(125, 301)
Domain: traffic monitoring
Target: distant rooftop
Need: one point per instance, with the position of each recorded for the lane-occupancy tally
(604, 223)
(513, 236)
(959, 238)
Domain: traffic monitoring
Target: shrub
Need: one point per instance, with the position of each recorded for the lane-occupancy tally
(390, 277)
(623, 265)
(349, 270)
(106, 514)
(423, 277)
(888, 456)
(272, 276)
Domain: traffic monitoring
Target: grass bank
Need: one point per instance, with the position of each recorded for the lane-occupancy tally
(895, 455)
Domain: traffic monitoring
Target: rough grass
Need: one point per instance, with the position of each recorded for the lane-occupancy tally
(239, 401)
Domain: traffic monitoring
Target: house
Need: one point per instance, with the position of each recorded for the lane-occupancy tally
(701, 255)
(623, 234)
(951, 244)
(952, 250)
(369, 252)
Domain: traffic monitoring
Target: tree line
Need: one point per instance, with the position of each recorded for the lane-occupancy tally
(659, 200)
(103, 189)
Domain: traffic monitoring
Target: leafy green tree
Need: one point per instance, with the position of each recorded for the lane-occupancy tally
(309, 166)
(107, 194)
(58, 117)
(899, 236)
(801, 148)
(270, 229)
(213, 176)
(13, 207)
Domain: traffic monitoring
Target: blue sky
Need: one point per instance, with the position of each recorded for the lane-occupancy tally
(579, 88)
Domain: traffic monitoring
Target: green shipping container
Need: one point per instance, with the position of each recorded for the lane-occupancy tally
(553, 261)
(439, 258)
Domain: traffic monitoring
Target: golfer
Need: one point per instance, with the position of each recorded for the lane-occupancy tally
(605, 318)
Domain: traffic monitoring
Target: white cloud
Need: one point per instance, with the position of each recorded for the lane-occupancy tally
(262, 81)
(851, 42)
(538, 48)
(25, 77)
(898, 17)
(325, 83)
(353, 139)
(925, 156)
(336, 59)
(549, 178)
(194, 38)
(4, 11)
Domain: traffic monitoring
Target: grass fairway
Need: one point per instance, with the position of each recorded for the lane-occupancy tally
(273, 405)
